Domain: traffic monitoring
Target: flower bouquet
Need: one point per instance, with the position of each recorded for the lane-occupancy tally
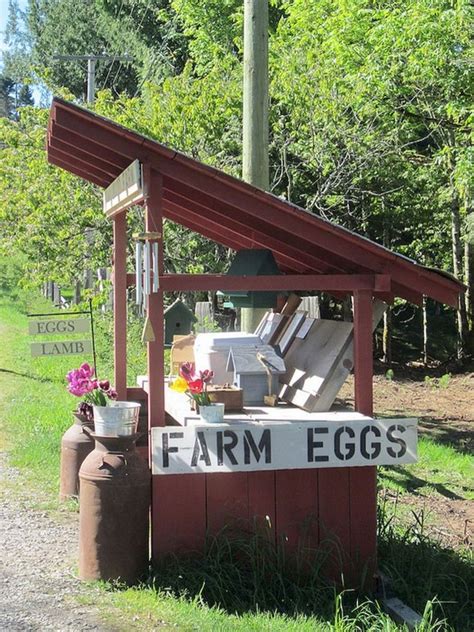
(83, 383)
(111, 418)
(195, 387)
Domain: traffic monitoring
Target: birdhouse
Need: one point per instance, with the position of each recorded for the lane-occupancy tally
(256, 370)
(178, 320)
(253, 262)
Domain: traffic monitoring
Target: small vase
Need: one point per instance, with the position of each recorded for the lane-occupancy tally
(118, 419)
(212, 414)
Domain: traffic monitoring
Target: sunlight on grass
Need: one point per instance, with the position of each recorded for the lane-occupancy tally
(440, 469)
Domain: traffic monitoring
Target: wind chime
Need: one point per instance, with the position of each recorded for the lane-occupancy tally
(146, 276)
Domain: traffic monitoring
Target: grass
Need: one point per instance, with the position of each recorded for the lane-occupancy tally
(440, 468)
(238, 585)
(422, 569)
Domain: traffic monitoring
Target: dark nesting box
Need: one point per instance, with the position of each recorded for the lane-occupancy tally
(253, 263)
(179, 320)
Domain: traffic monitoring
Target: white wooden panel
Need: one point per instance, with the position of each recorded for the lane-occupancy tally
(68, 347)
(271, 324)
(293, 445)
(318, 365)
(125, 190)
(291, 331)
(343, 367)
(61, 326)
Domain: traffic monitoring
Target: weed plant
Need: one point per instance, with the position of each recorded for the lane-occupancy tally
(422, 570)
(243, 572)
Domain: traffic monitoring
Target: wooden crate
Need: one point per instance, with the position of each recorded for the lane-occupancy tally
(231, 396)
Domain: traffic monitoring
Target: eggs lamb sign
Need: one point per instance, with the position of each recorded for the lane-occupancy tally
(247, 447)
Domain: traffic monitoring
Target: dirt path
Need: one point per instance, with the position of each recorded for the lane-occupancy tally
(38, 554)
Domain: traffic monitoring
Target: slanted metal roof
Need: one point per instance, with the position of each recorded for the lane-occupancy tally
(230, 211)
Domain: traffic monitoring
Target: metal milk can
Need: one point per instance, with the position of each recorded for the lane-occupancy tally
(75, 446)
(114, 511)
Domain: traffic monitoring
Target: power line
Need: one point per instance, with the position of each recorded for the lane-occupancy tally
(91, 62)
(138, 29)
(117, 17)
(120, 65)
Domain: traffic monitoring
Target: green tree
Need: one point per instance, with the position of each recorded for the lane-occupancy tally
(6, 98)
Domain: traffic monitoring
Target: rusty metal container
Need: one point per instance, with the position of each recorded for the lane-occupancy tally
(75, 446)
(114, 512)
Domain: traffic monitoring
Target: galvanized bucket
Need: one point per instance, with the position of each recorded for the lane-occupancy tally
(118, 419)
(212, 414)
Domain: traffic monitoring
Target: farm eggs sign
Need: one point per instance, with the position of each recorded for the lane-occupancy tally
(247, 447)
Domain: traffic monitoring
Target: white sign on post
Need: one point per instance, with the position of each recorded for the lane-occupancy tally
(63, 326)
(125, 190)
(246, 447)
(68, 347)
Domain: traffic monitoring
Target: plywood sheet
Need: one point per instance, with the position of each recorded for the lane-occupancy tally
(319, 360)
(291, 331)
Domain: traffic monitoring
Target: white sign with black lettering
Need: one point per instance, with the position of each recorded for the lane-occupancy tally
(68, 347)
(125, 190)
(62, 326)
(248, 447)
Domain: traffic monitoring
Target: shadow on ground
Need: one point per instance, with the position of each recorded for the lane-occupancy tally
(28, 376)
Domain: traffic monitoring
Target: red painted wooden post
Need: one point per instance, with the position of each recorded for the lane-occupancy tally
(120, 304)
(363, 352)
(363, 480)
(178, 508)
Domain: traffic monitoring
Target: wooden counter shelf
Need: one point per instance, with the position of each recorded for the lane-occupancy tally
(178, 412)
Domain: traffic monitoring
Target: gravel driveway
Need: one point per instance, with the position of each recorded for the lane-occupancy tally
(38, 556)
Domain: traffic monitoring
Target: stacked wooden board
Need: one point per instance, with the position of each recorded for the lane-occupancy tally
(318, 355)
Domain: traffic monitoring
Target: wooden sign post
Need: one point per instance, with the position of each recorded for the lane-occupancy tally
(69, 325)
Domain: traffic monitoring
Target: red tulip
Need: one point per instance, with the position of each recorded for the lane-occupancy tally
(196, 386)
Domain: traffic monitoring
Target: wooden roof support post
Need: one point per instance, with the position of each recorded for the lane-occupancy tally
(156, 370)
(363, 352)
(120, 304)
(363, 480)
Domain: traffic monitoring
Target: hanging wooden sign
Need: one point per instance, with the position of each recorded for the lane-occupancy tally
(62, 326)
(246, 447)
(125, 190)
(60, 348)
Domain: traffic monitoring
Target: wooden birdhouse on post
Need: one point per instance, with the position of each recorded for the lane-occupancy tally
(256, 370)
(179, 320)
(253, 262)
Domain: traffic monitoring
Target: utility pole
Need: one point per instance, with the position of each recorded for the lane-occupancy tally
(255, 167)
(91, 62)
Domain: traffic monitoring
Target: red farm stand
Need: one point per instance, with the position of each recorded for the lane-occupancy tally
(312, 254)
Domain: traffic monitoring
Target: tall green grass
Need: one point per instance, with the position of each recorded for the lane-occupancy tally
(422, 570)
(151, 610)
